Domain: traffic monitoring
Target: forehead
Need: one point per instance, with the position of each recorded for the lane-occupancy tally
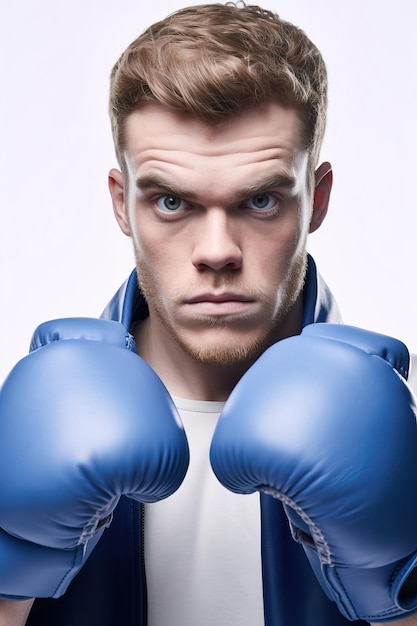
(167, 142)
(159, 126)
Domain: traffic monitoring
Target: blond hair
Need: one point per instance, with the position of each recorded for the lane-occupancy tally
(216, 60)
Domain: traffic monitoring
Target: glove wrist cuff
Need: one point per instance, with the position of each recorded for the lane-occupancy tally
(374, 594)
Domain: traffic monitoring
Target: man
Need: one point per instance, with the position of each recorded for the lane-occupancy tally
(218, 114)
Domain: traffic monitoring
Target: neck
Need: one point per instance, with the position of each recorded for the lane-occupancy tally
(186, 377)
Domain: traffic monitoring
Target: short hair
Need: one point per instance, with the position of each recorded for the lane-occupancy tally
(214, 61)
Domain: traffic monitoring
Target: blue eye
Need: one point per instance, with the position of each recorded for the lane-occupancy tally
(171, 204)
(261, 202)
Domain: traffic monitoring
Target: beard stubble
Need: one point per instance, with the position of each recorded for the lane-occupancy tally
(221, 354)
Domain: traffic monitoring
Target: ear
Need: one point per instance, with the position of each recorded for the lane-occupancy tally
(117, 192)
(322, 189)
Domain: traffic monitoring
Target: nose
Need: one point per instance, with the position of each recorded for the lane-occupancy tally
(217, 244)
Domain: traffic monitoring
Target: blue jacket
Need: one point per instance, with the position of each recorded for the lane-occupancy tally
(111, 588)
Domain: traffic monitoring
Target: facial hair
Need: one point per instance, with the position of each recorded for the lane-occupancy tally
(241, 351)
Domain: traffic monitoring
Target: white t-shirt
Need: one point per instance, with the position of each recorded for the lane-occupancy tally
(202, 544)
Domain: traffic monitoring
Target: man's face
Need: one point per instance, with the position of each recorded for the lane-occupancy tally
(219, 219)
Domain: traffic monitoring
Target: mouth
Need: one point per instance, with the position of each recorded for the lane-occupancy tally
(225, 303)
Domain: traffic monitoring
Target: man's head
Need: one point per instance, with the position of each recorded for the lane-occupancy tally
(218, 114)
(214, 61)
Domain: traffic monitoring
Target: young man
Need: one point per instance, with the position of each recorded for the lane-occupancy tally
(218, 113)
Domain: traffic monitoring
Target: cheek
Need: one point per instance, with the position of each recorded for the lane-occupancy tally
(158, 262)
(279, 250)
(279, 263)
(141, 231)
(294, 238)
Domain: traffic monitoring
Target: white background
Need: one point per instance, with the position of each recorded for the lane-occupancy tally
(61, 253)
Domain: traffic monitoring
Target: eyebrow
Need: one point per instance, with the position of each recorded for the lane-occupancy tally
(279, 179)
(150, 181)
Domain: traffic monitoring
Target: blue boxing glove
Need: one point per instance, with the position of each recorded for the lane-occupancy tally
(326, 422)
(83, 420)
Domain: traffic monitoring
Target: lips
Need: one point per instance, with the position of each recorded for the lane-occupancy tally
(226, 303)
(221, 297)
(210, 296)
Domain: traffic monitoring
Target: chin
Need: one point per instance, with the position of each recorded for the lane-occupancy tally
(224, 355)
